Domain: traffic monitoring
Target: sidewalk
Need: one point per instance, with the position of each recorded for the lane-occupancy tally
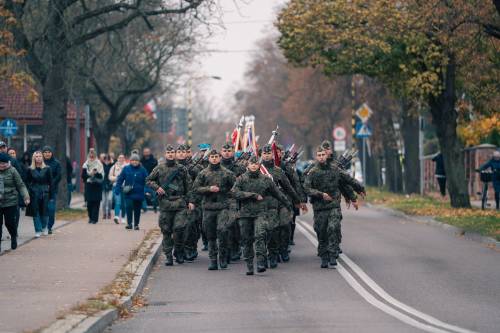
(26, 229)
(47, 277)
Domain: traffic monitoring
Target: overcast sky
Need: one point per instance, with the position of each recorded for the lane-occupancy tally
(243, 27)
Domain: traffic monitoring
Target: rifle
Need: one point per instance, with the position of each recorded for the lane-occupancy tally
(345, 159)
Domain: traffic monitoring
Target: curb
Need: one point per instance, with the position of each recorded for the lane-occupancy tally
(455, 231)
(100, 321)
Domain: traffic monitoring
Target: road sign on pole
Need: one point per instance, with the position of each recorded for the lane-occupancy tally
(339, 133)
(363, 131)
(364, 113)
(339, 145)
(8, 127)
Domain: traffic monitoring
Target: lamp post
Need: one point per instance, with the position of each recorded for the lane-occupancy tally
(190, 103)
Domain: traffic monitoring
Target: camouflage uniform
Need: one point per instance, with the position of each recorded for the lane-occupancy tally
(234, 234)
(326, 178)
(215, 208)
(280, 215)
(253, 217)
(296, 183)
(173, 205)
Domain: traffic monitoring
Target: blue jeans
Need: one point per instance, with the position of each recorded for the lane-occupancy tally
(40, 222)
(119, 204)
(52, 212)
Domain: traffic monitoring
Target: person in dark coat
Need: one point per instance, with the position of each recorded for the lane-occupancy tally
(494, 165)
(107, 188)
(440, 173)
(149, 162)
(41, 187)
(11, 185)
(92, 176)
(131, 182)
(55, 168)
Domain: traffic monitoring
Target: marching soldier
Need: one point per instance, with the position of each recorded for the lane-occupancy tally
(280, 215)
(171, 182)
(214, 184)
(324, 184)
(254, 191)
(234, 237)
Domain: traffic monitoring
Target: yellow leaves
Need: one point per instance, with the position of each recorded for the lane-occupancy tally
(474, 132)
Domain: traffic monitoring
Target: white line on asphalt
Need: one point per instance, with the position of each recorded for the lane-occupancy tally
(377, 289)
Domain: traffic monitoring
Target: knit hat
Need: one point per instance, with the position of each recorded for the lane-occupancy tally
(47, 148)
(3, 144)
(135, 157)
(4, 158)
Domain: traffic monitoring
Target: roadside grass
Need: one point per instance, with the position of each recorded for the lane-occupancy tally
(485, 222)
(71, 214)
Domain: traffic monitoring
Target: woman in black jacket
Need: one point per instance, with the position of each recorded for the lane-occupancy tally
(93, 176)
(41, 187)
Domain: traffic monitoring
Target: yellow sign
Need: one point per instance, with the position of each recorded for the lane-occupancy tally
(364, 112)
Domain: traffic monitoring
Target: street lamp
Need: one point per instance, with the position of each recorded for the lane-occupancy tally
(190, 102)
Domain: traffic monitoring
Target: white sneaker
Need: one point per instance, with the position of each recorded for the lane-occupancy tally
(45, 232)
(115, 219)
(37, 235)
(122, 220)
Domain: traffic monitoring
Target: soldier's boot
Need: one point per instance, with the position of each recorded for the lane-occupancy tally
(213, 265)
(179, 259)
(261, 267)
(223, 262)
(285, 257)
(333, 261)
(205, 247)
(278, 258)
(324, 262)
(273, 261)
(249, 268)
(169, 261)
(340, 250)
(195, 254)
(188, 256)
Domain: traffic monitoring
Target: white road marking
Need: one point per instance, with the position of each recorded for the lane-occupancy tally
(302, 226)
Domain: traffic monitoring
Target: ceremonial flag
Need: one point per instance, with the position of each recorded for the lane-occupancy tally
(150, 109)
(277, 160)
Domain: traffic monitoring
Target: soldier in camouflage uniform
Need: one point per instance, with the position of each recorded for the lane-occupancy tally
(214, 184)
(280, 215)
(234, 236)
(171, 182)
(254, 192)
(324, 184)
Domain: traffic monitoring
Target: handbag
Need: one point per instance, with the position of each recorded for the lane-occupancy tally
(126, 189)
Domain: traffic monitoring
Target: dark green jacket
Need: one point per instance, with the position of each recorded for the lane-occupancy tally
(281, 180)
(177, 191)
(249, 186)
(214, 175)
(11, 185)
(294, 179)
(234, 167)
(326, 178)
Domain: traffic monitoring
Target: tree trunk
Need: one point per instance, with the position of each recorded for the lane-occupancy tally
(410, 132)
(444, 117)
(393, 170)
(372, 171)
(102, 140)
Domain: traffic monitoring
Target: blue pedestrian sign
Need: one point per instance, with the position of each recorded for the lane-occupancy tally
(363, 131)
(8, 127)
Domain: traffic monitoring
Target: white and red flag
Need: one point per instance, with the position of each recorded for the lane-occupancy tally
(150, 109)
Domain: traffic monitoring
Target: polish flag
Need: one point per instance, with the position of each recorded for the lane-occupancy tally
(150, 109)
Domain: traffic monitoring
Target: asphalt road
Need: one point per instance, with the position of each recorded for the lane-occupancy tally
(394, 276)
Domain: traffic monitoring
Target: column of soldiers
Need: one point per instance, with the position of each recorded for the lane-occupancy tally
(239, 211)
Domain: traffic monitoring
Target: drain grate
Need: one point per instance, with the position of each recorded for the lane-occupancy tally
(160, 303)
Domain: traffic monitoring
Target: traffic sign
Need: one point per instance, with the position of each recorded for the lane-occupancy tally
(364, 112)
(364, 131)
(339, 145)
(8, 127)
(339, 133)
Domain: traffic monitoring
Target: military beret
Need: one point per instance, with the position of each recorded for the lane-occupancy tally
(227, 146)
(204, 146)
(326, 144)
(254, 160)
(181, 147)
(267, 148)
(188, 147)
(170, 148)
(213, 152)
(320, 148)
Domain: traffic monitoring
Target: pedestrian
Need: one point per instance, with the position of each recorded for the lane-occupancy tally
(26, 160)
(494, 165)
(131, 183)
(55, 168)
(253, 190)
(171, 182)
(440, 173)
(13, 161)
(118, 197)
(324, 184)
(41, 187)
(69, 180)
(92, 176)
(11, 186)
(149, 162)
(214, 184)
(107, 188)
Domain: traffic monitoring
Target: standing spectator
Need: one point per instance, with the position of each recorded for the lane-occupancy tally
(92, 176)
(11, 185)
(107, 189)
(26, 160)
(41, 186)
(118, 197)
(133, 179)
(69, 179)
(55, 168)
(494, 164)
(149, 163)
(440, 173)
(12, 153)
(19, 169)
